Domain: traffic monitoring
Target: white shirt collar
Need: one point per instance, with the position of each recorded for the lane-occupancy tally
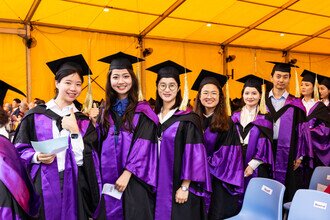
(167, 116)
(4, 132)
(51, 104)
(284, 95)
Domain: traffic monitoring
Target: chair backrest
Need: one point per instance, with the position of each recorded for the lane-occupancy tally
(320, 175)
(264, 196)
(310, 204)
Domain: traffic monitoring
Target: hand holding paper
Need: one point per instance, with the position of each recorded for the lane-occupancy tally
(52, 146)
(110, 190)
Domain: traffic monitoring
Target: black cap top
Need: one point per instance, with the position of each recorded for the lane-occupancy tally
(120, 60)
(76, 63)
(208, 77)
(308, 76)
(255, 81)
(324, 80)
(4, 88)
(168, 69)
(283, 67)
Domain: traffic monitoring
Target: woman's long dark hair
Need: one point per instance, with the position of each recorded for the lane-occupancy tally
(111, 97)
(159, 100)
(219, 122)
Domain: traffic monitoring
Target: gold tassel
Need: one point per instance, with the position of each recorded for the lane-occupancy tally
(88, 103)
(138, 75)
(263, 108)
(297, 92)
(316, 90)
(228, 99)
(185, 98)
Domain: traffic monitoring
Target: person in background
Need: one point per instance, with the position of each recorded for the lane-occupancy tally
(128, 139)
(183, 175)
(8, 108)
(324, 89)
(18, 199)
(255, 129)
(15, 105)
(290, 132)
(67, 181)
(222, 145)
(318, 120)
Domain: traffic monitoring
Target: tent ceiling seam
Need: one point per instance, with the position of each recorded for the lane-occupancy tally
(260, 21)
(322, 31)
(154, 24)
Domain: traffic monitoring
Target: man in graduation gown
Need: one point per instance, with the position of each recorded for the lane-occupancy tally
(290, 133)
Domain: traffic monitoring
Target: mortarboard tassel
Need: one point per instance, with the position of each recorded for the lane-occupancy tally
(138, 71)
(263, 108)
(316, 90)
(228, 99)
(297, 92)
(88, 103)
(185, 98)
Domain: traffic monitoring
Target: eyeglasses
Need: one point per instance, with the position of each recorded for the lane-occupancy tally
(171, 86)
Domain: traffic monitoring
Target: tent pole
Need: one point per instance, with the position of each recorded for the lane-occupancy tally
(28, 65)
(142, 77)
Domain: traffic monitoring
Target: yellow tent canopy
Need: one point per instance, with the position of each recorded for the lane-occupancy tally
(199, 34)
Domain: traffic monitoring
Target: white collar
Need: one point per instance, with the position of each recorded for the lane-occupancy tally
(167, 116)
(209, 115)
(284, 95)
(51, 104)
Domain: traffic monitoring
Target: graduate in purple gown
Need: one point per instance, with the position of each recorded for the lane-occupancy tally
(290, 133)
(128, 151)
(18, 199)
(68, 181)
(324, 89)
(183, 175)
(222, 145)
(255, 130)
(318, 119)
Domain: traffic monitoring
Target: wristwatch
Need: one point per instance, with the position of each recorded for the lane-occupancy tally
(74, 136)
(184, 188)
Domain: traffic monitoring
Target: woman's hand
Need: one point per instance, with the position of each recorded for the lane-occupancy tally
(248, 171)
(181, 196)
(46, 158)
(70, 123)
(122, 181)
(94, 113)
(296, 164)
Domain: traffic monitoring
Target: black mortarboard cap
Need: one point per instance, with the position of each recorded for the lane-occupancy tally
(206, 77)
(308, 76)
(76, 62)
(324, 80)
(4, 88)
(283, 67)
(168, 69)
(121, 60)
(255, 81)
